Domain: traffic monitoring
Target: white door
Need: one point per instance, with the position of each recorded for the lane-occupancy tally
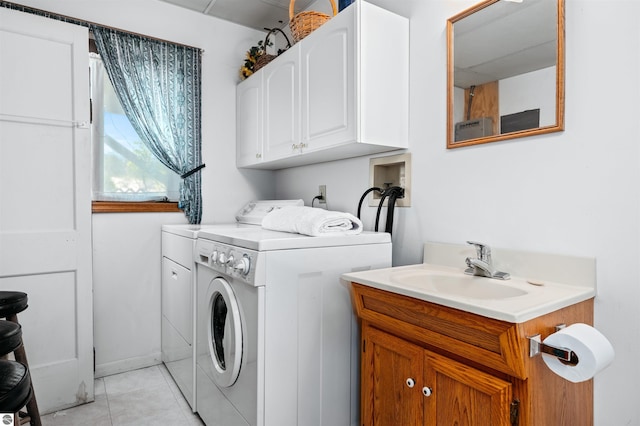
(45, 200)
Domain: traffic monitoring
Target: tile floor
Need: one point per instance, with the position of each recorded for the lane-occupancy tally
(148, 396)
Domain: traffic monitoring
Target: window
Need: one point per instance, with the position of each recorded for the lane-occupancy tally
(124, 169)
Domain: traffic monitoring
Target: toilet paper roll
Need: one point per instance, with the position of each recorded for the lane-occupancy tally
(594, 352)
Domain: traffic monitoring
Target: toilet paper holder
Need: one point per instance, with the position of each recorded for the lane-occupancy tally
(565, 355)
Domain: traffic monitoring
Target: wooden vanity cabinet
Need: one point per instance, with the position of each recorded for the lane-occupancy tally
(427, 364)
(403, 378)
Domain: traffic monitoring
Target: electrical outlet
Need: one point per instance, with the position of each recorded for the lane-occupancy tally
(323, 193)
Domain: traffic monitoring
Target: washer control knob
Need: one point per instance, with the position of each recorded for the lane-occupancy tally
(243, 265)
(222, 258)
(229, 260)
(213, 257)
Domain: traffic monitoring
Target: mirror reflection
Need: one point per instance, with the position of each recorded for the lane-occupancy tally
(505, 71)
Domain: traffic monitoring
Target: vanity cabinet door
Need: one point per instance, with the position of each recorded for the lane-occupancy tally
(461, 395)
(405, 384)
(391, 380)
(249, 114)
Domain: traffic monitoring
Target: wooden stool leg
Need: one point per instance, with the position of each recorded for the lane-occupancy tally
(32, 406)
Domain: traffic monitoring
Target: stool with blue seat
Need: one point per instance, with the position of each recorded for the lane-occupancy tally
(16, 389)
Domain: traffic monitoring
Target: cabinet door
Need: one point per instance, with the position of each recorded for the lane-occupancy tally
(249, 111)
(391, 380)
(177, 299)
(328, 88)
(282, 106)
(461, 395)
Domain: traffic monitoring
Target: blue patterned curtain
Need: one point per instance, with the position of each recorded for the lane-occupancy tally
(158, 85)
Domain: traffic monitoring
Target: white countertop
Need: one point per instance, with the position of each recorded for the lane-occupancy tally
(513, 300)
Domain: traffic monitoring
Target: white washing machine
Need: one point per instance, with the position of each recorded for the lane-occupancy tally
(179, 291)
(277, 340)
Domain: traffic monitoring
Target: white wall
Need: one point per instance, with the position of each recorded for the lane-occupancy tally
(127, 290)
(127, 262)
(574, 192)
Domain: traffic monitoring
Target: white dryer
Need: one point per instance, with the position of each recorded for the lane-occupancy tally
(178, 304)
(277, 340)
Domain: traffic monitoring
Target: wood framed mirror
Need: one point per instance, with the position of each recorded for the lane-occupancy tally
(505, 71)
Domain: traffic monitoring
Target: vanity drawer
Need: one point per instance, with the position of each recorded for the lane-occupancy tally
(489, 342)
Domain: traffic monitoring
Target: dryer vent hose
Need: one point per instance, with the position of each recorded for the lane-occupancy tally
(393, 193)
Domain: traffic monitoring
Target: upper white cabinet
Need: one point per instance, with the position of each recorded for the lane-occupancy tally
(281, 110)
(328, 97)
(341, 92)
(249, 122)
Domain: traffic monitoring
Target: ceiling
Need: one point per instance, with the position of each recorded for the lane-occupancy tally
(505, 39)
(258, 14)
(261, 14)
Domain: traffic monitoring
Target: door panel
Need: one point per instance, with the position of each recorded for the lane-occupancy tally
(281, 106)
(329, 92)
(177, 298)
(249, 119)
(49, 294)
(461, 395)
(392, 361)
(45, 213)
(22, 81)
(52, 183)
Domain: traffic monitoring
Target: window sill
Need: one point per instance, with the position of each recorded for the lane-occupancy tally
(134, 207)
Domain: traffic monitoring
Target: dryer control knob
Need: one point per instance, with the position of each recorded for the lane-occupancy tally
(222, 259)
(243, 265)
(213, 257)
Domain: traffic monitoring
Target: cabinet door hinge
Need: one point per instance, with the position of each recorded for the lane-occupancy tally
(514, 412)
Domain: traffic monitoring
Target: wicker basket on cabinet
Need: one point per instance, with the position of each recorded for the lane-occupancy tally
(304, 23)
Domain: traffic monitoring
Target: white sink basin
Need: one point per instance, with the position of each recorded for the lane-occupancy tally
(455, 285)
(514, 300)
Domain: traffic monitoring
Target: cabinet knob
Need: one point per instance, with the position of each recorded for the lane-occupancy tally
(426, 391)
(410, 382)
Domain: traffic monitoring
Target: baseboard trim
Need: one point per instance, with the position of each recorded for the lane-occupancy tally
(128, 364)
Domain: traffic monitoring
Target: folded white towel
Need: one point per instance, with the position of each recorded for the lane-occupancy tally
(311, 221)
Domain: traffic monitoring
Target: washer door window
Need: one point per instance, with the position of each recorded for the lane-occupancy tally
(225, 333)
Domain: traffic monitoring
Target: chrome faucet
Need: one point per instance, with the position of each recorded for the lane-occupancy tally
(482, 266)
